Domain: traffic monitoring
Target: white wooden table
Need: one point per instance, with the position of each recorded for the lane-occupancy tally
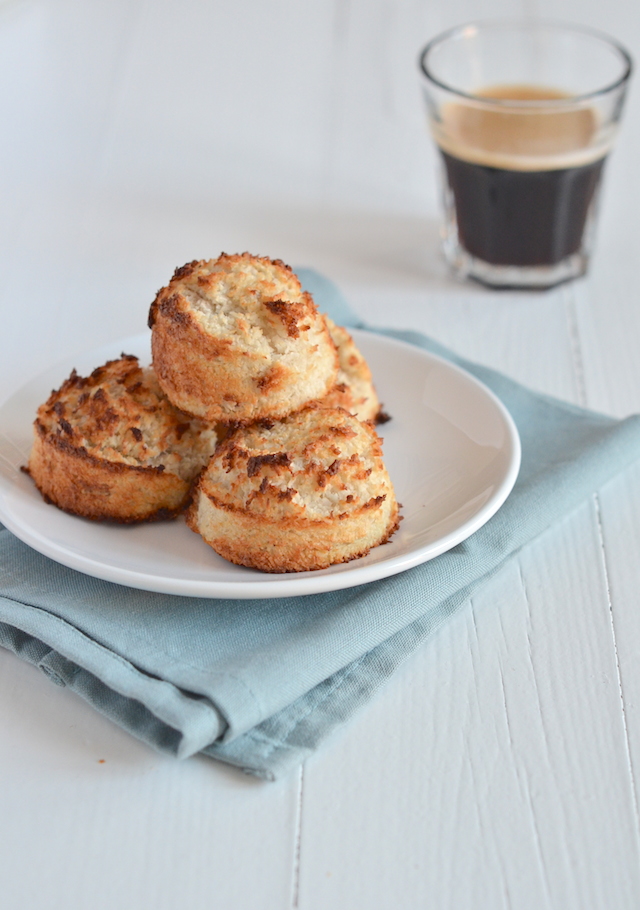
(500, 766)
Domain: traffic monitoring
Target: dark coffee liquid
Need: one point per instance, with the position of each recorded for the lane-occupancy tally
(523, 169)
(525, 218)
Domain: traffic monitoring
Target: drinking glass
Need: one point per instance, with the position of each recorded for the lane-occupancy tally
(524, 115)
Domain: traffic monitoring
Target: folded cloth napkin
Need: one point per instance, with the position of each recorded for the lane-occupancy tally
(258, 683)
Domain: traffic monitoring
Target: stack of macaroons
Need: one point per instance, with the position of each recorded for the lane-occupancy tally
(258, 411)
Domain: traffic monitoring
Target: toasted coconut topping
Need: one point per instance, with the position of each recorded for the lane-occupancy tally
(318, 463)
(120, 414)
(252, 301)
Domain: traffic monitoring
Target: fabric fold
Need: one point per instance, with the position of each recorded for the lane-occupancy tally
(183, 723)
(260, 683)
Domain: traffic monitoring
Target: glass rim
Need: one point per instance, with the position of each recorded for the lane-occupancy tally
(523, 24)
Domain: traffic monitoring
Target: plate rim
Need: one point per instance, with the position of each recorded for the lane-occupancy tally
(287, 584)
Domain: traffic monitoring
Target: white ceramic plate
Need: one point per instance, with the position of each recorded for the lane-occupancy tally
(452, 451)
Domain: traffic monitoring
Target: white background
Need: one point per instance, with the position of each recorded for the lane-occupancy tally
(499, 768)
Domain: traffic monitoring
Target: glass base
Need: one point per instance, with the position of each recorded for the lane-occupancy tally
(535, 277)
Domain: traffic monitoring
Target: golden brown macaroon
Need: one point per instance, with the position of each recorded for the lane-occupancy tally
(354, 390)
(112, 446)
(298, 494)
(236, 340)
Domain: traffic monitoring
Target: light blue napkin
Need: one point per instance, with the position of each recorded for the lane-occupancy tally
(259, 683)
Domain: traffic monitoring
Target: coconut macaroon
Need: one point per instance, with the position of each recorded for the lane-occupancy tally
(236, 340)
(298, 494)
(354, 390)
(111, 446)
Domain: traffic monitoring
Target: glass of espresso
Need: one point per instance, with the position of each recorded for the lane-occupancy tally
(524, 115)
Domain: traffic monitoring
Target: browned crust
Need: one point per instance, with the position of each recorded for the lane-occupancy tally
(290, 314)
(295, 521)
(112, 467)
(291, 545)
(255, 462)
(81, 484)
